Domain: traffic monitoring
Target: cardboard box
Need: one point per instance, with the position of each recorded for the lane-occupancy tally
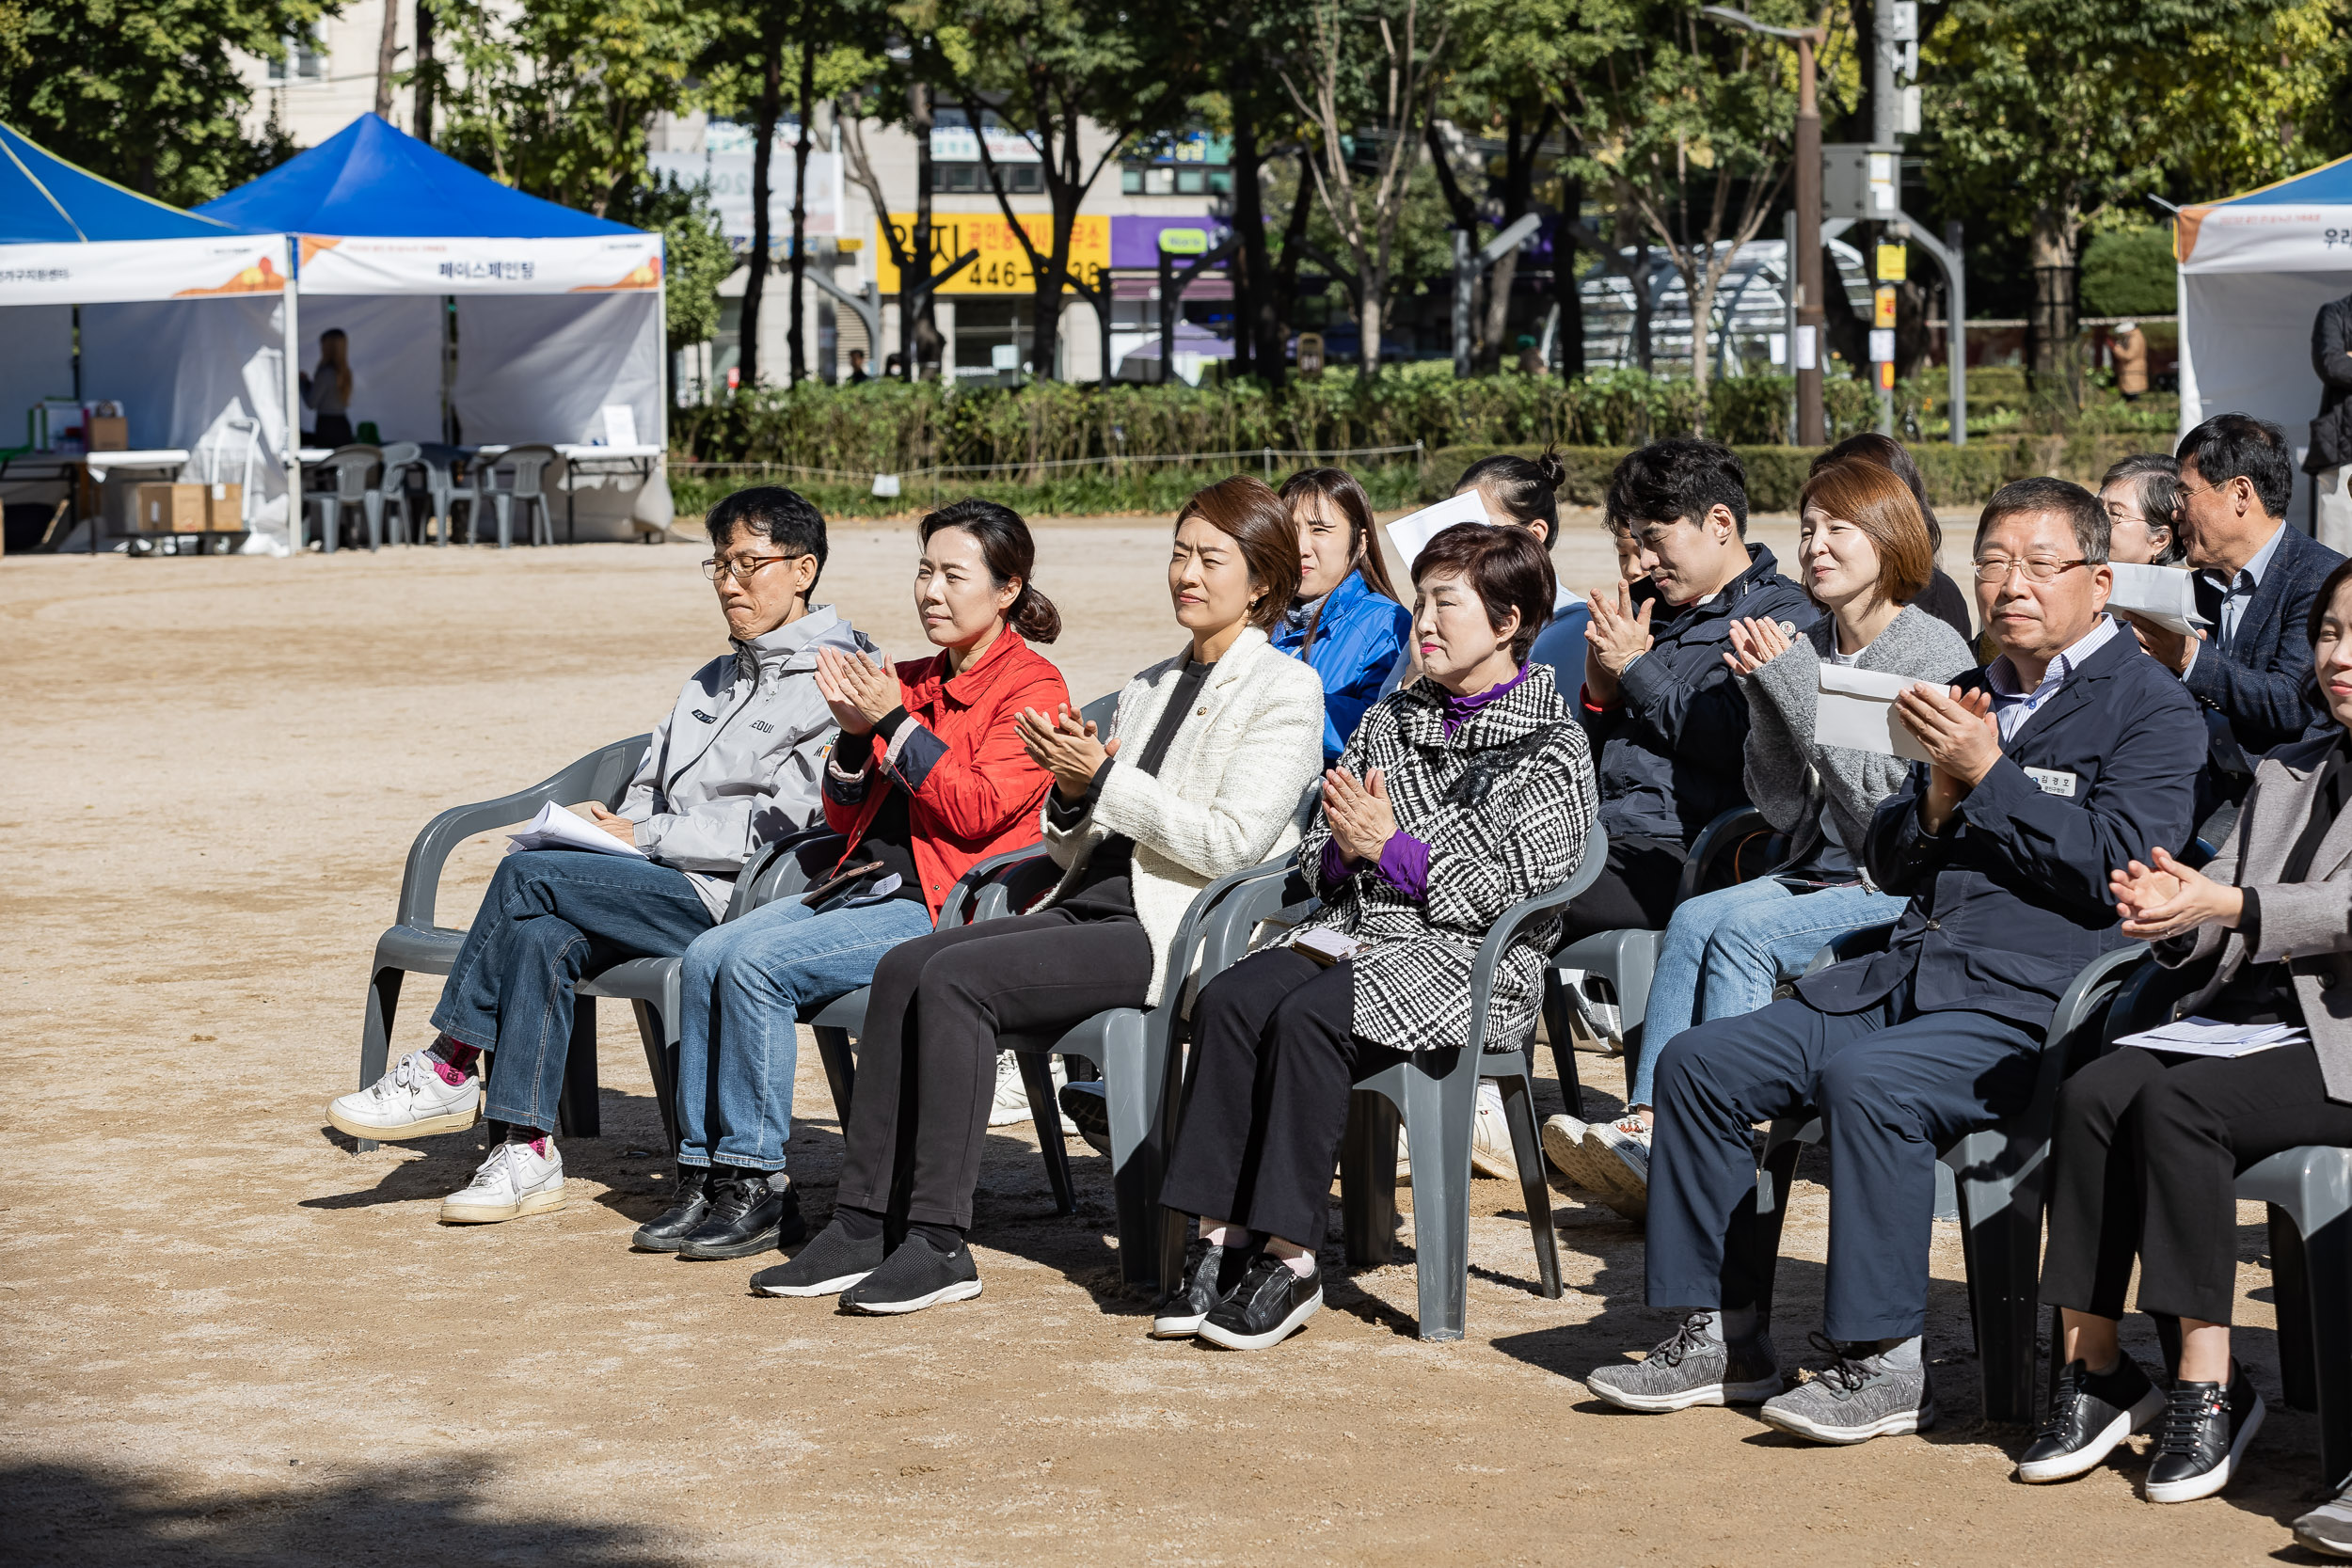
(105, 433)
(169, 509)
(224, 508)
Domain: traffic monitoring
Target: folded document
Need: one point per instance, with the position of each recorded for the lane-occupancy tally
(558, 827)
(2202, 1037)
(1411, 534)
(1856, 707)
(2164, 595)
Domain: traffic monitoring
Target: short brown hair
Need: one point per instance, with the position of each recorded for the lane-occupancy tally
(1508, 568)
(1254, 517)
(1875, 500)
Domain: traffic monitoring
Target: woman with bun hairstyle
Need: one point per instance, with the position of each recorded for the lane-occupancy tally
(1346, 622)
(1517, 492)
(929, 776)
(1202, 774)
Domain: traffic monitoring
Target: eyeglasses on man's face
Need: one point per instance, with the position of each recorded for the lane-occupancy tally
(2036, 568)
(743, 568)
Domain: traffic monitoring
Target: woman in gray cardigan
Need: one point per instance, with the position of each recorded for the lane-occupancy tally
(1862, 555)
(2147, 1144)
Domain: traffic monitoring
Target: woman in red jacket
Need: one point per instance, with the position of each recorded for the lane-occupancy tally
(928, 777)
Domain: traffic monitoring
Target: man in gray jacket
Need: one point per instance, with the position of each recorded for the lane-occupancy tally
(736, 762)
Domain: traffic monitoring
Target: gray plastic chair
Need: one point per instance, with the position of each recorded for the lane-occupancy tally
(352, 468)
(413, 944)
(1628, 960)
(444, 490)
(1998, 1173)
(390, 510)
(1437, 1095)
(525, 469)
(2308, 1192)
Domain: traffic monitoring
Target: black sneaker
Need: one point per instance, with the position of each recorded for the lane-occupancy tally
(1269, 1305)
(2089, 1415)
(746, 1215)
(690, 1202)
(1089, 1108)
(1180, 1312)
(918, 1275)
(2206, 1427)
(826, 1267)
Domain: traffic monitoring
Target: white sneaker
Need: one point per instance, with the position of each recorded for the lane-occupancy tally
(1490, 1137)
(1011, 1106)
(1568, 1146)
(413, 1100)
(1620, 1158)
(516, 1180)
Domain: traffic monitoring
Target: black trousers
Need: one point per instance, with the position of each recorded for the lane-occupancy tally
(1274, 1060)
(1636, 892)
(2141, 1162)
(926, 1064)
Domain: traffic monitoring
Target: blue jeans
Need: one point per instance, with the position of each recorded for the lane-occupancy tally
(739, 1003)
(1724, 951)
(550, 916)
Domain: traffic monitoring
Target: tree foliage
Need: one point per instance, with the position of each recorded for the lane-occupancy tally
(145, 93)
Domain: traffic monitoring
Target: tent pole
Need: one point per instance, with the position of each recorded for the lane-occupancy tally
(294, 400)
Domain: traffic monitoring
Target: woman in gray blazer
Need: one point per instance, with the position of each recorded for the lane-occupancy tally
(1864, 557)
(2148, 1143)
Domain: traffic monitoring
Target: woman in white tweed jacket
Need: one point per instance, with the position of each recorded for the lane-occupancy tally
(1863, 556)
(1201, 775)
(1459, 797)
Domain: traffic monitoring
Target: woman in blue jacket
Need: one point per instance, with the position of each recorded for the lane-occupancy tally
(1346, 622)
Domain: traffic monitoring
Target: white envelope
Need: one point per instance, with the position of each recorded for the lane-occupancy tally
(1856, 707)
(2164, 595)
(1410, 534)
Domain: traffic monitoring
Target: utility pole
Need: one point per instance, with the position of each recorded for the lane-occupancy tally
(1812, 427)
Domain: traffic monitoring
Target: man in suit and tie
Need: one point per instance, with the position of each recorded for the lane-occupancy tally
(2256, 577)
(2068, 751)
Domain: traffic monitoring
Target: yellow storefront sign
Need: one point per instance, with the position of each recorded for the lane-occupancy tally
(1002, 266)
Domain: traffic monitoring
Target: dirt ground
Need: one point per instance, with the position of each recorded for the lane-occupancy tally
(232, 1338)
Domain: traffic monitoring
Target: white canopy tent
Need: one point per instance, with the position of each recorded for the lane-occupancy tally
(2253, 272)
(473, 310)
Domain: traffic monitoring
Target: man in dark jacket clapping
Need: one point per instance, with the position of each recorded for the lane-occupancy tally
(1659, 703)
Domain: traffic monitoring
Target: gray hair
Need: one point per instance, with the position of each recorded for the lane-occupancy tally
(2078, 506)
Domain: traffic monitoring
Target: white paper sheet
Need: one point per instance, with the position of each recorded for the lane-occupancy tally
(2202, 1037)
(2164, 595)
(1856, 707)
(560, 828)
(1411, 532)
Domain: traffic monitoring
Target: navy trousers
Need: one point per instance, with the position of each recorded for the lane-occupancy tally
(1891, 1085)
(550, 916)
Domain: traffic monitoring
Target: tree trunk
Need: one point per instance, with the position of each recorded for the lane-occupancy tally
(387, 60)
(1281, 294)
(1565, 274)
(2051, 361)
(796, 344)
(1368, 325)
(1701, 292)
(1249, 270)
(423, 113)
(763, 158)
(919, 336)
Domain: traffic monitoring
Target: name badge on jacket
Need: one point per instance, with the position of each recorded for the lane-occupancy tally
(2052, 782)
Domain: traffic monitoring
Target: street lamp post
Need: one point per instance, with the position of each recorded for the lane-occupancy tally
(1812, 428)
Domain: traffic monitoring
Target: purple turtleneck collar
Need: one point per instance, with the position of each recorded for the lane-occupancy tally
(1459, 710)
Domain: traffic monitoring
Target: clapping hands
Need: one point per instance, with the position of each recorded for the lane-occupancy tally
(1066, 747)
(2168, 899)
(1756, 643)
(860, 692)
(1362, 817)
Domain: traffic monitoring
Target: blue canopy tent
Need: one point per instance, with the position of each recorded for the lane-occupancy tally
(2253, 271)
(183, 321)
(476, 313)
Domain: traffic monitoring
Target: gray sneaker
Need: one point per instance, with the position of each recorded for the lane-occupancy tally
(2328, 1527)
(1854, 1399)
(1690, 1369)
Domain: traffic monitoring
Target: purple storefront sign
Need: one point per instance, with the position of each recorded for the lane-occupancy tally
(1136, 241)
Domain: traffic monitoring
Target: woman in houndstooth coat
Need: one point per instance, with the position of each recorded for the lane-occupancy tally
(1460, 796)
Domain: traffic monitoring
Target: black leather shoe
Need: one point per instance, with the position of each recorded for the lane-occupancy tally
(1269, 1305)
(747, 1216)
(2089, 1415)
(1182, 1311)
(1089, 1112)
(691, 1202)
(2206, 1427)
